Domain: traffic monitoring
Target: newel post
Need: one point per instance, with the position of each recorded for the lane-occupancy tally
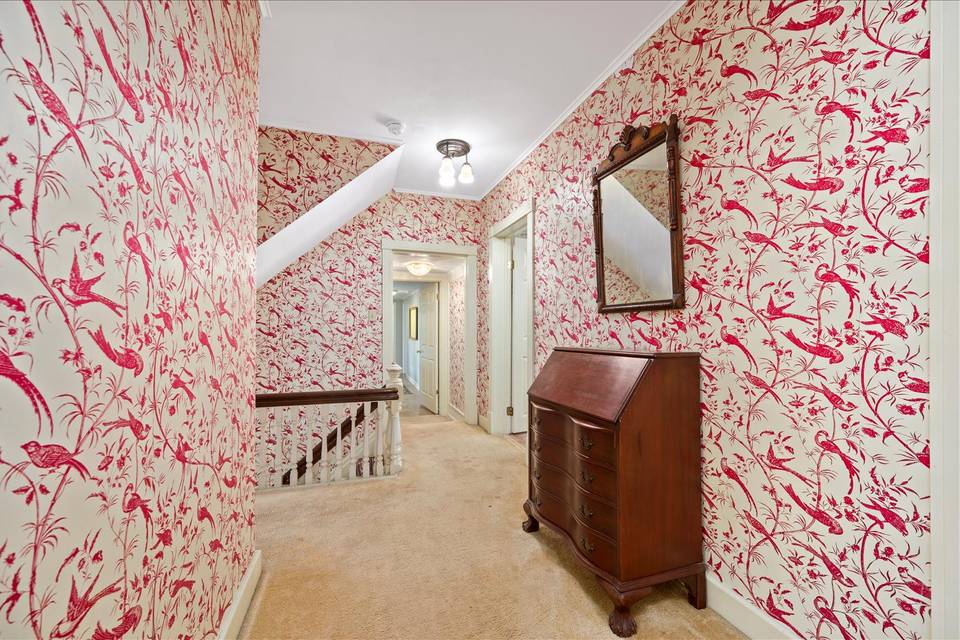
(394, 373)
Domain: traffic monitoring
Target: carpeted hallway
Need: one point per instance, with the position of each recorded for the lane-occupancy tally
(436, 553)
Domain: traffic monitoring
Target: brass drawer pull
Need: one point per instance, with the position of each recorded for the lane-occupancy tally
(586, 545)
(536, 421)
(534, 444)
(586, 443)
(538, 501)
(536, 474)
(585, 511)
(586, 476)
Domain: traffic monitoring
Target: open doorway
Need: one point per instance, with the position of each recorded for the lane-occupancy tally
(511, 321)
(429, 326)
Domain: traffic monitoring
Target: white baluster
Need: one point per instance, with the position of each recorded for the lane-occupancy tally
(293, 421)
(309, 419)
(381, 427)
(393, 380)
(277, 430)
(338, 453)
(355, 421)
(323, 425)
(368, 426)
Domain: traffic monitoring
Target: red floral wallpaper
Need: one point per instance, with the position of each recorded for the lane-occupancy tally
(804, 185)
(319, 321)
(457, 341)
(127, 237)
(298, 170)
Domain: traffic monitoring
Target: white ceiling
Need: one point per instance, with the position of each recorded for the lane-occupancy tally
(500, 75)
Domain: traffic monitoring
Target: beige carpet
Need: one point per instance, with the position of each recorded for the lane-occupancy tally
(436, 553)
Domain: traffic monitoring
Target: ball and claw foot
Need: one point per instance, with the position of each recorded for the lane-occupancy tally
(531, 524)
(621, 622)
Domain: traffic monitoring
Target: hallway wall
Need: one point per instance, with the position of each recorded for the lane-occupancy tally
(318, 324)
(457, 344)
(127, 237)
(804, 143)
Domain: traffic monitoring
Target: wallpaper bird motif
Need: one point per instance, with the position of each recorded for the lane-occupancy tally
(298, 170)
(127, 236)
(319, 321)
(457, 338)
(804, 192)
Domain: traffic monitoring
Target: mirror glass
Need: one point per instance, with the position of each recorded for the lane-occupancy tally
(635, 215)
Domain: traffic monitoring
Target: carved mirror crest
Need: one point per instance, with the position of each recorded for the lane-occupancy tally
(637, 225)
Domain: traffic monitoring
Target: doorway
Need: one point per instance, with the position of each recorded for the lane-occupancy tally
(511, 321)
(430, 326)
(417, 338)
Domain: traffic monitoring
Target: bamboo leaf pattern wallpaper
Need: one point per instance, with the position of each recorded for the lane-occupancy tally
(804, 189)
(127, 238)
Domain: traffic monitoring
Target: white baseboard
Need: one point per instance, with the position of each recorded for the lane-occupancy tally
(750, 620)
(455, 413)
(237, 611)
(485, 422)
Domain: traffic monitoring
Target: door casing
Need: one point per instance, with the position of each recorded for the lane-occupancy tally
(499, 239)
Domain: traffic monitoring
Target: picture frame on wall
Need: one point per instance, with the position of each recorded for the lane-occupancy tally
(413, 321)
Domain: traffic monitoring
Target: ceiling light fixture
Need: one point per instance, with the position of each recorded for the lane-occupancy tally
(419, 268)
(453, 148)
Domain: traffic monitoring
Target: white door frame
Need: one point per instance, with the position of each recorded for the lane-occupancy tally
(944, 312)
(499, 313)
(469, 253)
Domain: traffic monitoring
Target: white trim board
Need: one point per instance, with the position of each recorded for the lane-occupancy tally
(750, 620)
(617, 63)
(454, 413)
(469, 253)
(234, 615)
(440, 194)
(944, 311)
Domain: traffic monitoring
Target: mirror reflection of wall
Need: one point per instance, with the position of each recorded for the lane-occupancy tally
(635, 205)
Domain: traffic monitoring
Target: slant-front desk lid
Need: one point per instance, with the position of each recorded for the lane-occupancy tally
(595, 382)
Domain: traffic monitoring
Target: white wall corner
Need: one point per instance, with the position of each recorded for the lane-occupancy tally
(750, 620)
(234, 616)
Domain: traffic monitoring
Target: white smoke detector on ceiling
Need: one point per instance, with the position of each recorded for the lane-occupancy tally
(396, 128)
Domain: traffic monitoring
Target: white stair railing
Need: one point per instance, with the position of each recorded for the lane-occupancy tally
(324, 437)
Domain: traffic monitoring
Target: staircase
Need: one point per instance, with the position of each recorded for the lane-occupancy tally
(323, 437)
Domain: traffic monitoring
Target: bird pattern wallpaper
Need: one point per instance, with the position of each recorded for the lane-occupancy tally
(804, 143)
(298, 170)
(128, 164)
(457, 337)
(339, 283)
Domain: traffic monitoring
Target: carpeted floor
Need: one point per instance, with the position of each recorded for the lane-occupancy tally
(436, 553)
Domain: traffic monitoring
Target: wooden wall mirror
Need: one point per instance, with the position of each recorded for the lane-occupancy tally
(636, 219)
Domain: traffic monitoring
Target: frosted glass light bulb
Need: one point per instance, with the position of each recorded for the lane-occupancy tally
(447, 180)
(466, 173)
(446, 167)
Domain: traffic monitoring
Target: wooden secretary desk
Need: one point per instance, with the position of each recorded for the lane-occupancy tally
(614, 467)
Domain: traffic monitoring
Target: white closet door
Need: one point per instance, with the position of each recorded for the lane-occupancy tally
(429, 346)
(520, 335)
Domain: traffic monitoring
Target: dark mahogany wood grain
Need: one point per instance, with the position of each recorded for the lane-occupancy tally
(616, 468)
(601, 384)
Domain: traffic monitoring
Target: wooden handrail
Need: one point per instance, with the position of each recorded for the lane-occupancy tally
(339, 396)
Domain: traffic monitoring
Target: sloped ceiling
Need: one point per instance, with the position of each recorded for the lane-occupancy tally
(498, 74)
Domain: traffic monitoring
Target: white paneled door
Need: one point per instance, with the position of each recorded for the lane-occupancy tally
(520, 334)
(429, 346)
